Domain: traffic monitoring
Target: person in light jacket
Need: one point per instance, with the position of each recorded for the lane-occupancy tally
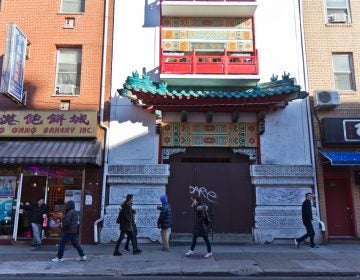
(70, 223)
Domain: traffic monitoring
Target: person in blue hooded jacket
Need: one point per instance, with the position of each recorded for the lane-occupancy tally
(165, 221)
(70, 223)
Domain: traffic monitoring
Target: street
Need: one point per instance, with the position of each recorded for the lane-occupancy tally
(177, 278)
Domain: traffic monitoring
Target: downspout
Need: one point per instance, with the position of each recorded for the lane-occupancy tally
(102, 124)
(308, 107)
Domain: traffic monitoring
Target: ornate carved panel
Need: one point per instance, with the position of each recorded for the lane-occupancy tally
(142, 195)
(280, 196)
(147, 183)
(280, 191)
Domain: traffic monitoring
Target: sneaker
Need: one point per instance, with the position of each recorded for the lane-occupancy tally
(314, 246)
(57, 259)
(137, 251)
(81, 259)
(165, 249)
(297, 243)
(117, 254)
(127, 249)
(208, 255)
(188, 254)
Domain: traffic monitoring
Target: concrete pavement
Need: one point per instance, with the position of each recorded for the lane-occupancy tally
(250, 260)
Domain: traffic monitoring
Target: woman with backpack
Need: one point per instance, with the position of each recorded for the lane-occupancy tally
(201, 223)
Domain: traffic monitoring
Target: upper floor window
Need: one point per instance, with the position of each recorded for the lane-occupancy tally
(73, 6)
(337, 11)
(343, 71)
(68, 71)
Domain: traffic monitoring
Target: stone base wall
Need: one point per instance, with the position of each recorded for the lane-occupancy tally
(280, 191)
(147, 183)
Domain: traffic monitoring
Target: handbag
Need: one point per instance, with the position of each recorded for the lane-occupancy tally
(45, 221)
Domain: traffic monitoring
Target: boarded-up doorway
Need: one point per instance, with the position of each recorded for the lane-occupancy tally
(223, 180)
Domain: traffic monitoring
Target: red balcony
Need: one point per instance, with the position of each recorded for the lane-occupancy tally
(208, 8)
(227, 63)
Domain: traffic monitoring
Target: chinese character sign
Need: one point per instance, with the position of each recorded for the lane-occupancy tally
(352, 130)
(12, 76)
(48, 123)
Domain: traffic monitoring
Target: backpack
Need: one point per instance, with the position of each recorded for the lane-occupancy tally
(207, 219)
(118, 219)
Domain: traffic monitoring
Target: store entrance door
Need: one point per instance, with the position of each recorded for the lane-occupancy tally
(33, 188)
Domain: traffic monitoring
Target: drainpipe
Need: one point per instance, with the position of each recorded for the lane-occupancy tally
(102, 124)
(308, 110)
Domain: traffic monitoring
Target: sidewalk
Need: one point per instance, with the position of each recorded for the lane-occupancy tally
(250, 260)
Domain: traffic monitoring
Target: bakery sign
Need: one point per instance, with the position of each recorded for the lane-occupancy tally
(351, 130)
(53, 123)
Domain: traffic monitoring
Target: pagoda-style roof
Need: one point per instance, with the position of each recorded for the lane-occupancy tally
(158, 96)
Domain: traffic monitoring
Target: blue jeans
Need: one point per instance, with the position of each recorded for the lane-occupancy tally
(206, 239)
(64, 239)
(36, 229)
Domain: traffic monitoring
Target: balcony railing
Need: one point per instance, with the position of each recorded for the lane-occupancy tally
(209, 64)
(210, 0)
(208, 8)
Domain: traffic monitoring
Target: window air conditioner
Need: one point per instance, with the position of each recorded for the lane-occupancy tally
(326, 99)
(338, 17)
(67, 89)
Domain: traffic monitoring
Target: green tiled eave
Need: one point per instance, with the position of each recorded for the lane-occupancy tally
(274, 88)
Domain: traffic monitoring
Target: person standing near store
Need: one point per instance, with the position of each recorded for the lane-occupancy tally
(37, 213)
(126, 226)
(164, 222)
(70, 225)
(201, 222)
(306, 212)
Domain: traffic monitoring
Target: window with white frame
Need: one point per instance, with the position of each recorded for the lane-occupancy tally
(343, 71)
(337, 11)
(68, 71)
(72, 6)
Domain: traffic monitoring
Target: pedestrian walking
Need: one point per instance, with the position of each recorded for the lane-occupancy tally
(164, 222)
(37, 213)
(70, 225)
(126, 220)
(306, 211)
(201, 222)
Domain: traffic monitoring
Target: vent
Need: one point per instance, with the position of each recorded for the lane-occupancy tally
(67, 89)
(69, 23)
(326, 99)
(338, 18)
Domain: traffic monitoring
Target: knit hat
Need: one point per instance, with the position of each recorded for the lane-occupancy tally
(129, 196)
(164, 199)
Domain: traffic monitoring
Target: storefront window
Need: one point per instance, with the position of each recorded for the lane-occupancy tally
(8, 194)
(64, 184)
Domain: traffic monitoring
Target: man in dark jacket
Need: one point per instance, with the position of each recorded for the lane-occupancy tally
(37, 214)
(165, 221)
(306, 211)
(70, 223)
(126, 225)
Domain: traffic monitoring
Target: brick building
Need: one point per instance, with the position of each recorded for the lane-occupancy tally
(332, 59)
(53, 109)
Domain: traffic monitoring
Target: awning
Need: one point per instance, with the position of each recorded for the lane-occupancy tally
(50, 152)
(342, 157)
